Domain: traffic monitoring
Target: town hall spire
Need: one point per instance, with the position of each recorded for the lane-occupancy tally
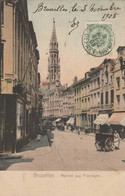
(54, 60)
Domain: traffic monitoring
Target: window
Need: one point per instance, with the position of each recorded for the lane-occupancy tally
(111, 78)
(1, 59)
(123, 100)
(98, 97)
(118, 82)
(101, 98)
(2, 12)
(112, 96)
(98, 81)
(94, 83)
(106, 97)
(118, 101)
(106, 77)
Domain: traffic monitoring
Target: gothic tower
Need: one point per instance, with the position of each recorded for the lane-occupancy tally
(54, 61)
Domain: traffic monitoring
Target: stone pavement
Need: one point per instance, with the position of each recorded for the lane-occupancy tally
(69, 152)
(6, 160)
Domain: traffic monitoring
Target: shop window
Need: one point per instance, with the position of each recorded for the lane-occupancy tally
(118, 82)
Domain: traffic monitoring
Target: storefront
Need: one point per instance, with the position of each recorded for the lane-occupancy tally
(12, 123)
(117, 122)
(100, 120)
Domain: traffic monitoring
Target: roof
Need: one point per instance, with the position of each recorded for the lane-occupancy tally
(79, 81)
(120, 48)
(111, 62)
(45, 83)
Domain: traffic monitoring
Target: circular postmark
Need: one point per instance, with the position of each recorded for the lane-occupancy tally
(98, 39)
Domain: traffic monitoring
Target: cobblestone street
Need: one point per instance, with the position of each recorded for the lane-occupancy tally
(69, 152)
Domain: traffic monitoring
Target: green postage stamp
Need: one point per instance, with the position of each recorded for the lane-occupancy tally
(98, 39)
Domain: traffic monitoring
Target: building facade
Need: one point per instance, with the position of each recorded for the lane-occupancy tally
(94, 96)
(19, 71)
(119, 81)
(107, 86)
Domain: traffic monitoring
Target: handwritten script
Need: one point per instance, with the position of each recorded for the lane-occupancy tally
(108, 12)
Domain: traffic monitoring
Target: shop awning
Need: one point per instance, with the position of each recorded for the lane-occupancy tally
(117, 119)
(58, 119)
(101, 119)
(70, 121)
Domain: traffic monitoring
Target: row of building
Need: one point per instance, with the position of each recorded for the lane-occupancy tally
(20, 80)
(92, 99)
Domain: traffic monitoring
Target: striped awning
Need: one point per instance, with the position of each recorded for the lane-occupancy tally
(117, 119)
(58, 119)
(70, 121)
(101, 119)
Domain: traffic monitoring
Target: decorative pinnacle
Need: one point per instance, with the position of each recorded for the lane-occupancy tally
(53, 38)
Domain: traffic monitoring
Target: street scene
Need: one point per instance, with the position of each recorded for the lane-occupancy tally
(62, 98)
(68, 152)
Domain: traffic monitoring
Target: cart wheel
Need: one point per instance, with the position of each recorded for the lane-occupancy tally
(109, 144)
(98, 146)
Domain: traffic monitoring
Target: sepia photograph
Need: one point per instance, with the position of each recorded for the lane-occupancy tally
(62, 85)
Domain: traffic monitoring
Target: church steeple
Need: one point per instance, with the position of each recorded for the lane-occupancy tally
(54, 60)
(53, 38)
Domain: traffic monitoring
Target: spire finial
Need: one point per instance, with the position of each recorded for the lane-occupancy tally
(53, 38)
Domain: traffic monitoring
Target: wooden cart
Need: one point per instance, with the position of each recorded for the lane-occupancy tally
(104, 141)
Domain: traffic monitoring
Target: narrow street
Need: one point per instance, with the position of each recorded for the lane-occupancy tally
(69, 152)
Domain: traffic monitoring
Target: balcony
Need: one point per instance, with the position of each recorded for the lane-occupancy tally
(107, 106)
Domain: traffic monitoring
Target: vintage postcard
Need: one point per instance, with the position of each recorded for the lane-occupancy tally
(62, 96)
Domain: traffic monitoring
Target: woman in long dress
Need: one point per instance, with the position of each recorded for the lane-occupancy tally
(116, 140)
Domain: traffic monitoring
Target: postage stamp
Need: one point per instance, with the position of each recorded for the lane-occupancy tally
(98, 39)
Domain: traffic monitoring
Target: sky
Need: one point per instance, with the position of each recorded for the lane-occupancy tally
(74, 60)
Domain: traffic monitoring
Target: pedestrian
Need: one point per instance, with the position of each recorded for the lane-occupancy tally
(49, 136)
(78, 130)
(116, 140)
(122, 133)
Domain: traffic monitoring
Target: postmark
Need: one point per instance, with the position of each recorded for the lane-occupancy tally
(98, 39)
